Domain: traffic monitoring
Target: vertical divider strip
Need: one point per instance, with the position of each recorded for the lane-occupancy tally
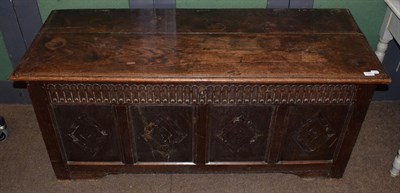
(277, 133)
(124, 131)
(201, 139)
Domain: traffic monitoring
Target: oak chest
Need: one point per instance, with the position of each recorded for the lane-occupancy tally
(200, 90)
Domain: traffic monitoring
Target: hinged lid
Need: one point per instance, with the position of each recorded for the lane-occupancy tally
(254, 46)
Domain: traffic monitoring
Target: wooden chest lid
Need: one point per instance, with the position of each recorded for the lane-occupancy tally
(253, 46)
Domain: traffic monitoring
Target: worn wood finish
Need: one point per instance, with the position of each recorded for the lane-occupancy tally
(163, 133)
(253, 58)
(49, 133)
(313, 131)
(349, 136)
(145, 46)
(240, 134)
(143, 91)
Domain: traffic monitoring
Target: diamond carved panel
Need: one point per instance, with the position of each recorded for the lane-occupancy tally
(315, 133)
(163, 133)
(88, 132)
(238, 133)
(88, 135)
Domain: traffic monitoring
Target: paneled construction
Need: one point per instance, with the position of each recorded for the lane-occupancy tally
(163, 133)
(194, 91)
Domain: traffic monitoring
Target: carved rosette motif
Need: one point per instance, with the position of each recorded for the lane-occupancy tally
(200, 94)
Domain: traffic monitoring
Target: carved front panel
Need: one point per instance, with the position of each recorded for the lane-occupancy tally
(163, 133)
(238, 133)
(313, 131)
(87, 132)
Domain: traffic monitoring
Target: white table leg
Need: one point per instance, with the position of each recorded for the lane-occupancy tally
(384, 36)
(396, 166)
(381, 48)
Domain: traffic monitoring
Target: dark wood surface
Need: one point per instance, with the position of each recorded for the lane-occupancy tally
(143, 91)
(50, 135)
(265, 46)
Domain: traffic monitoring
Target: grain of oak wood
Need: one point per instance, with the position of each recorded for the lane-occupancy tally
(200, 90)
(277, 45)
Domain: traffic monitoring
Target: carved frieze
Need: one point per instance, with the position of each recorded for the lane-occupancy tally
(199, 94)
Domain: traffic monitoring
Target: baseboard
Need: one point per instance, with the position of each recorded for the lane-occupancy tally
(13, 93)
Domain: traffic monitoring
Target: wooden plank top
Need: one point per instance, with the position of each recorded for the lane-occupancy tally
(253, 46)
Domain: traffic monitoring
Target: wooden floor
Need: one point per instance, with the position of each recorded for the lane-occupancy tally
(25, 167)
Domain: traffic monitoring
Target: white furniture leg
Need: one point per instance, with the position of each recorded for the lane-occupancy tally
(395, 171)
(381, 48)
(390, 29)
(385, 36)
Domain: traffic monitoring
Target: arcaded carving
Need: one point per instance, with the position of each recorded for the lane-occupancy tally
(199, 94)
